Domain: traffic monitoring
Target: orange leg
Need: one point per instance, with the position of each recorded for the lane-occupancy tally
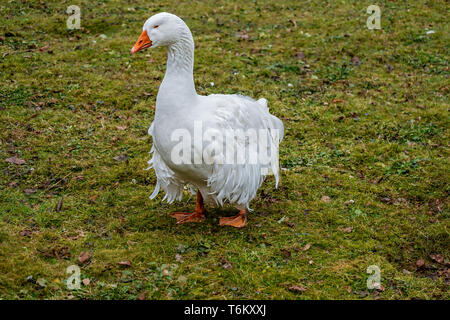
(237, 221)
(197, 216)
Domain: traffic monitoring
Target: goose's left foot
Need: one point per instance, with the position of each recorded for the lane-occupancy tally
(238, 221)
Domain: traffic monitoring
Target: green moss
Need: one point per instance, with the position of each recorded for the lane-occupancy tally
(366, 125)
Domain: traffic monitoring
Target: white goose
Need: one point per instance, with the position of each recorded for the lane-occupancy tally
(191, 144)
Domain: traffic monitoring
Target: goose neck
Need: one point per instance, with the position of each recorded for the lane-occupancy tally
(180, 56)
(179, 79)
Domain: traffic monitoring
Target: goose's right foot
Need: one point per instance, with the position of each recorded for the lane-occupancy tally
(184, 217)
(197, 216)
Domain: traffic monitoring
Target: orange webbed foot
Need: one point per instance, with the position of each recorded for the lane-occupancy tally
(197, 216)
(238, 221)
(184, 217)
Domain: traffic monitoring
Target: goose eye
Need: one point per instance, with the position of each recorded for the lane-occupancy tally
(155, 27)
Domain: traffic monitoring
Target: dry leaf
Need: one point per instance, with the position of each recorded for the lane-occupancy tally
(41, 282)
(26, 233)
(16, 160)
(355, 61)
(420, 263)
(379, 287)
(29, 191)
(56, 252)
(437, 257)
(300, 55)
(308, 245)
(326, 199)
(121, 127)
(406, 271)
(59, 205)
(142, 296)
(125, 263)
(121, 157)
(362, 294)
(226, 264)
(79, 235)
(286, 253)
(242, 35)
(86, 281)
(330, 145)
(297, 288)
(84, 257)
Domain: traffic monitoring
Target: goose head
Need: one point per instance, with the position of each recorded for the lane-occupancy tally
(162, 29)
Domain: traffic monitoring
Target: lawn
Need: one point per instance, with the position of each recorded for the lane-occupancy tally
(365, 158)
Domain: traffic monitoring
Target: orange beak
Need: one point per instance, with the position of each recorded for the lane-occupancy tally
(142, 43)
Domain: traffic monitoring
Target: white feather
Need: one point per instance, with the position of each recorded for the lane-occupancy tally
(178, 106)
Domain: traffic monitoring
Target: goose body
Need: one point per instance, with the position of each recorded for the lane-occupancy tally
(222, 145)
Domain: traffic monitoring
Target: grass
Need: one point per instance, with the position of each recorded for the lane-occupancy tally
(365, 154)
